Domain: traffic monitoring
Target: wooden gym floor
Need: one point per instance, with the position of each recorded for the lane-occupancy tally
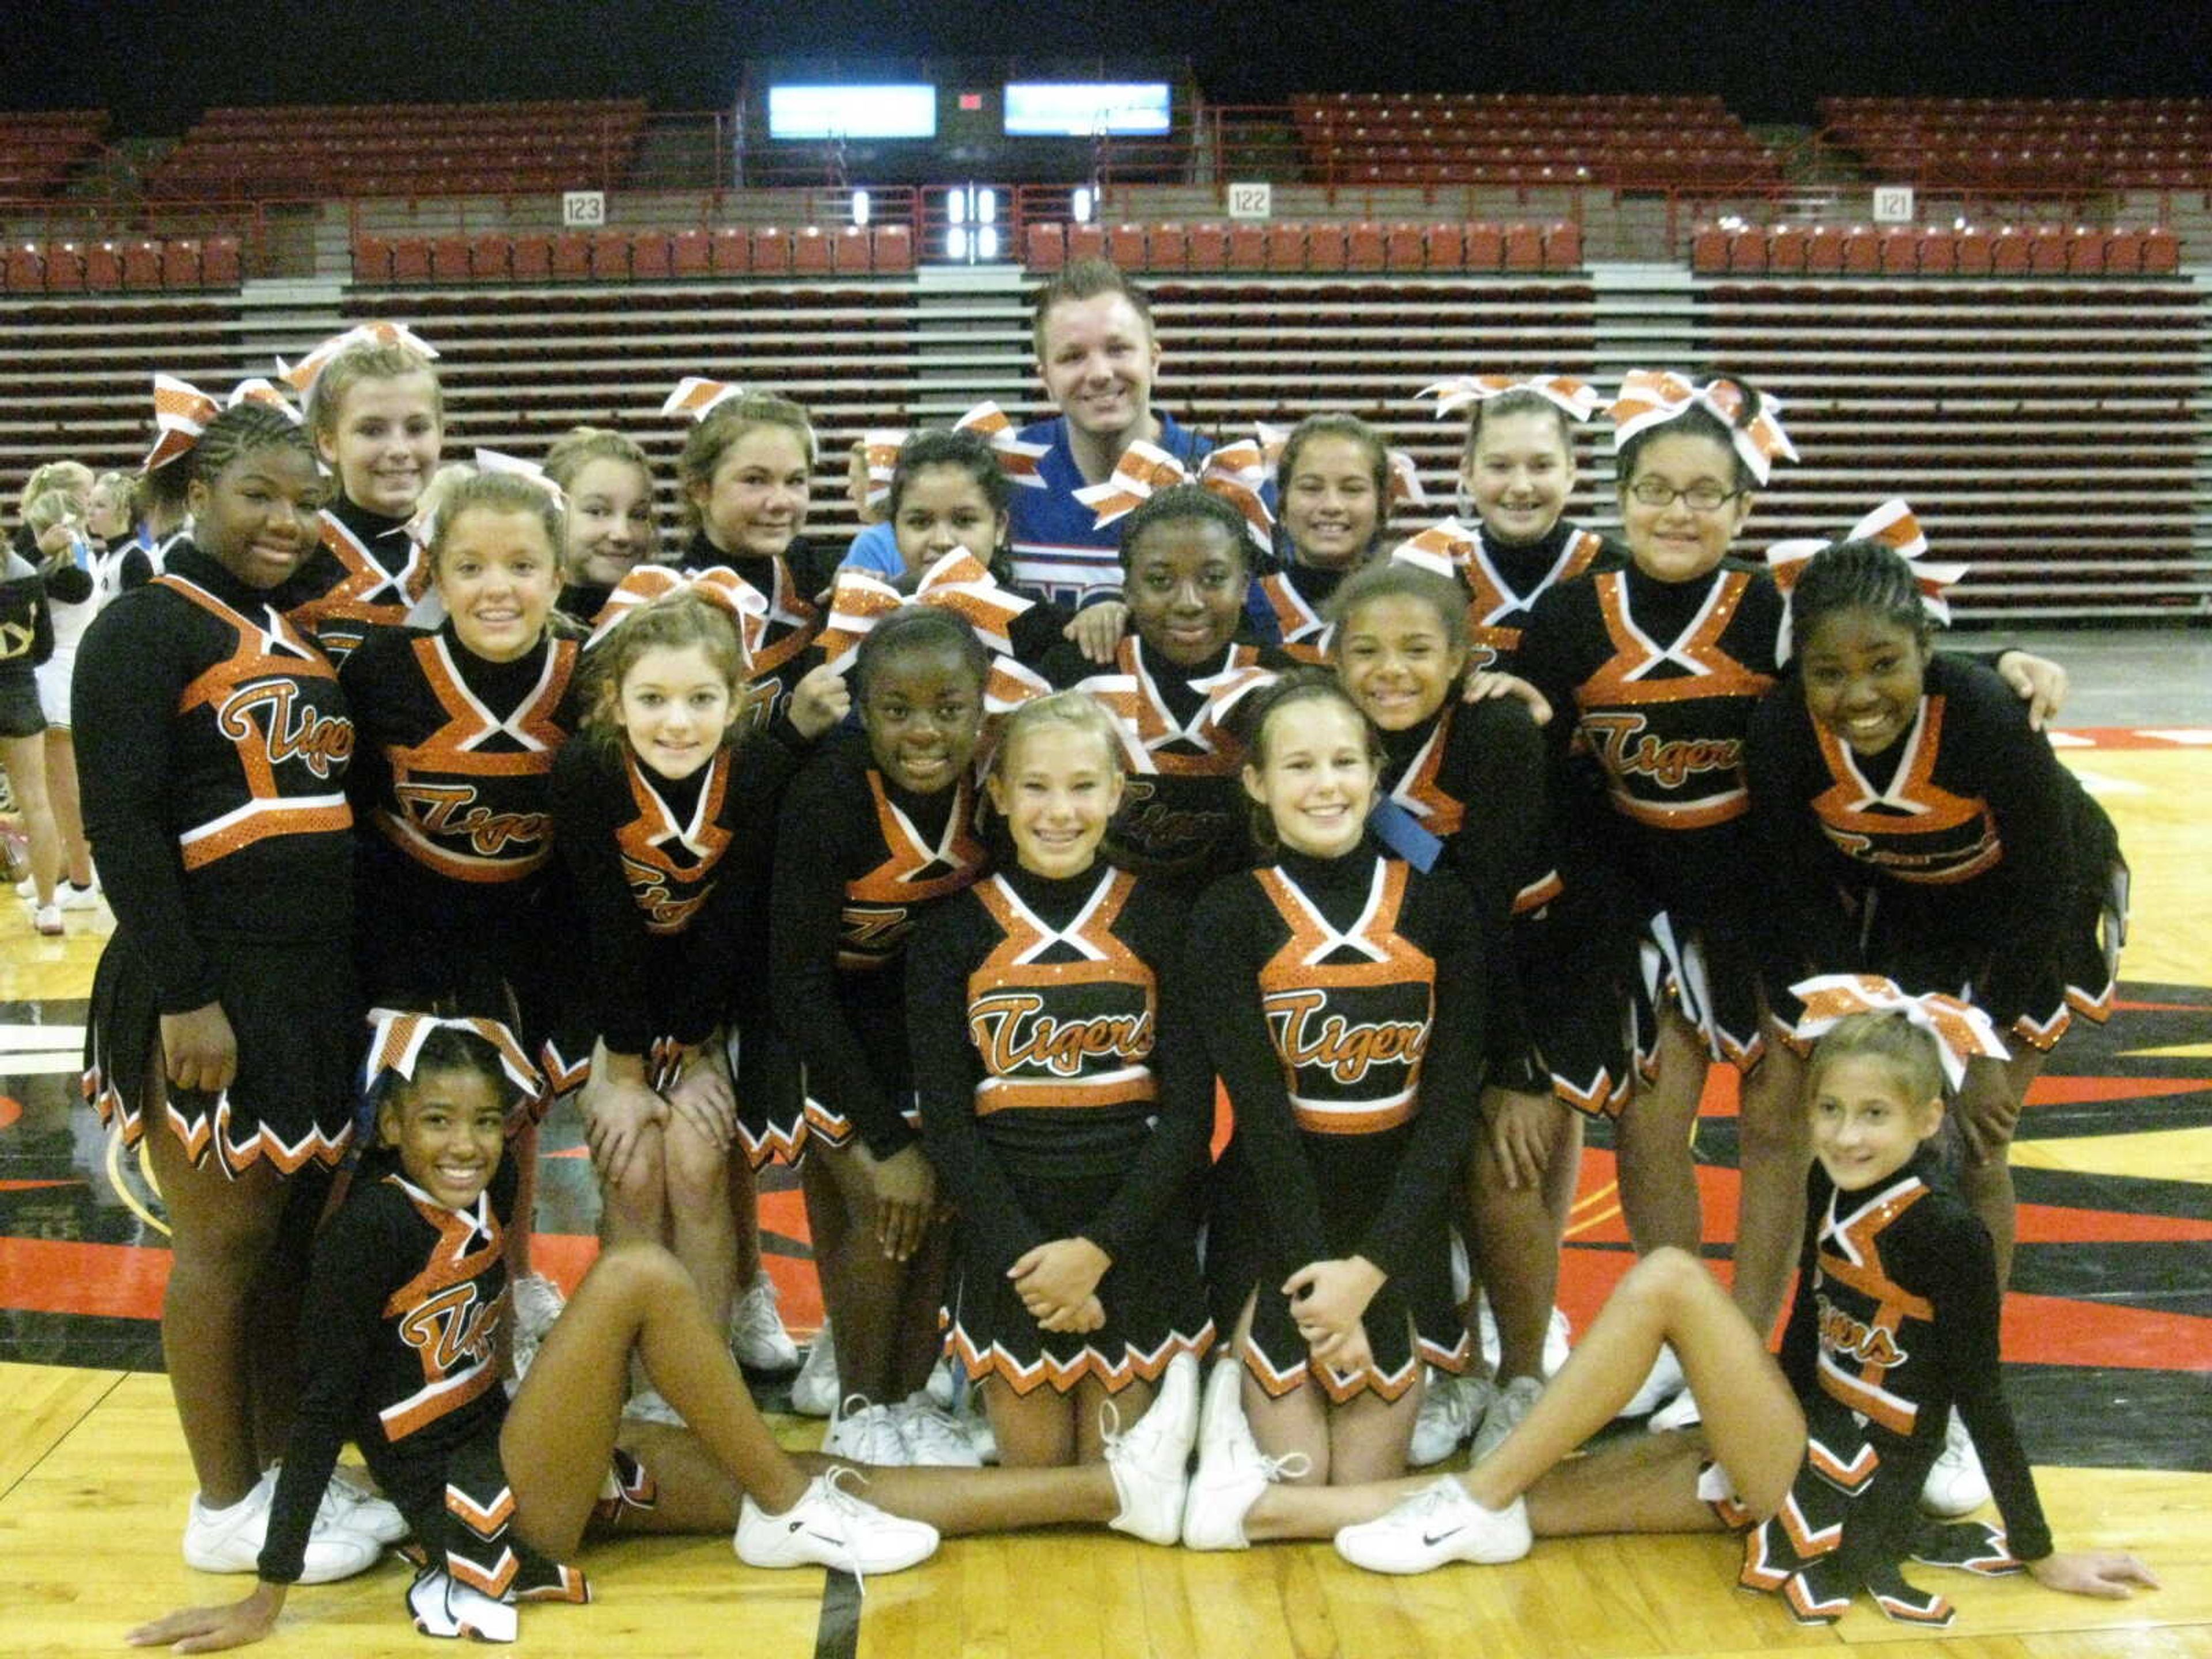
(2108, 1339)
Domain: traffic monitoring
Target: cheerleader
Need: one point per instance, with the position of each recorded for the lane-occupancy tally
(1352, 1066)
(27, 640)
(378, 415)
(1895, 1321)
(609, 529)
(1334, 482)
(664, 814)
(1067, 1126)
(216, 741)
(55, 516)
(1464, 788)
(877, 830)
(1175, 684)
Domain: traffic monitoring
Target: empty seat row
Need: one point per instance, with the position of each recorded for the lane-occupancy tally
(143, 264)
(1907, 249)
(633, 255)
(1305, 248)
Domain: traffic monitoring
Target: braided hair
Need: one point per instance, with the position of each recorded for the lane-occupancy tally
(1857, 575)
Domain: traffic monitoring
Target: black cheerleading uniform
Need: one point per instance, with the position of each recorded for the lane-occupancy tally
(1182, 816)
(459, 907)
(1504, 580)
(1055, 1105)
(1962, 859)
(368, 574)
(403, 1303)
(1467, 787)
(1352, 1070)
(859, 863)
(1295, 596)
(214, 742)
(796, 585)
(669, 876)
(27, 640)
(1894, 1323)
(1656, 682)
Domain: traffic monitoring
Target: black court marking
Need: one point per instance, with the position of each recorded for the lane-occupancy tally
(838, 1636)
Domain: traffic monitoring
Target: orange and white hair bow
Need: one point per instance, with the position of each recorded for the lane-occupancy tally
(1444, 548)
(300, 376)
(958, 583)
(1962, 1031)
(1143, 469)
(720, 585)
(697, 396)
(1652, 398)
(1405, 478)
(1892, 524)
(1237, 473)
(1017, 459)
(395, 1045)
(182, 411)
(422, 529)
(1577, 401)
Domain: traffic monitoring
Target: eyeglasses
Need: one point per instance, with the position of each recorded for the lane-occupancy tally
(1705, 497)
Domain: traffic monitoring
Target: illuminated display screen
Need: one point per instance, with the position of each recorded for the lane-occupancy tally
(1077, 109)
(907, 111)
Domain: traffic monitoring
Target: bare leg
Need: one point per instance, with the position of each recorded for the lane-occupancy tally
(921, 1340)
(634, 1209)
(867, 1295)
(744, 1217)
(1563, 1171)
(699, 1226)
(555, 1444)
(278, 1289)
(1774, 1150)
(1989, 1111)
(69, 816)
(965, 1501)
(1513, 1236)
(1658, 1177)
(223, 1232)
(1090, 1397)
(26, 761)
(1753, 1425)
(1035, 1430)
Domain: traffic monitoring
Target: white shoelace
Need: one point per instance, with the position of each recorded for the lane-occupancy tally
(849, 1509)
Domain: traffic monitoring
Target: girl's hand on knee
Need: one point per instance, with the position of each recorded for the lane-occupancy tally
(1097, 629)
(2113, 1574)
(616, 1116)
(200, 1049)
(210, 1629)
(703, 1097)
(1987, 1108)
(1484, 684)
(1521, 1129)
(905, 1189)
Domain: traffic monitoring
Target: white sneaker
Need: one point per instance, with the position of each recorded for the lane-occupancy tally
(1147, 1463)
(352, 1504)
(538, 1304)
(47, 919)
(1663, 1382)
(867, 1434)
(814, 1390)
(1680, 1413)
(828, 1527)
(70, 896)
(454, 1611)
(1232, 1470)
(1449, 1407)
(975, 1423)
(1434, 1526)
(1508, 1405)
(1955, 1484)
(757, 1339)
(28, 887)
(229, 1540)
(1559, 1337)
(934, 1438)
(944, 1385)
(648, 1406)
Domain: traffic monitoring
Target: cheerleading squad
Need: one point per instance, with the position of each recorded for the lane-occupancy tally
(1110, 766)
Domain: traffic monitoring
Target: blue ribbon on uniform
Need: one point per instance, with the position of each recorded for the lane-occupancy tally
(1403, 834)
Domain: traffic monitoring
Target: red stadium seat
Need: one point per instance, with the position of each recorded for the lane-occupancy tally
(2047, 250)
(64, 263)
(410, 259)
(1402, 248)
(1325, 247)
(611, 256)
(1824, 251)
(1286, 247)
(180, 262)
(103, 267)
(1939, 253)
(2161, 252)
(1785, 248)
(1445, 247)
(689, 255)
(491, 257)
(651, 258)
(25, 271)
(1166, 248)
(1974, 252)
(1524, 248)
(1747, 249)
(893, 248)
(1363, 247)
(2124, 254)
(1248, 247)
(730, 250)
(772, 251)
(2008, 255)
(1861, 251)
(850, 251)
(2085, 252)
(372, 260)
(1563, 247)
(572, 257)
(1125, 246)
(218, 262)
(1485, 246)
(810, 251)
(449, 258)
(1086, 242)
(1209, 247)
(530, 259)
(1900, 251)
(1708, 250)
(1044, 247)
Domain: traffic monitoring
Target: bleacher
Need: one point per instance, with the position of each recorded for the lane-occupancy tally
(1526, 139)
(2030, 144)
(39, 150)
(308, 150)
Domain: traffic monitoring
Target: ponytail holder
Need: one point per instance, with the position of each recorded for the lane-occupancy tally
(1017, 459)
(1652, 398)
(181, 413)
(697, 396)
(746, 605)
(958, 583)
(396, 1041)
(300, 376)
(1575, 399)
(1892, 524)
(1962, 1031)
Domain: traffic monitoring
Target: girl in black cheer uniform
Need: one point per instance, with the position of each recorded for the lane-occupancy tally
(609, 529)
